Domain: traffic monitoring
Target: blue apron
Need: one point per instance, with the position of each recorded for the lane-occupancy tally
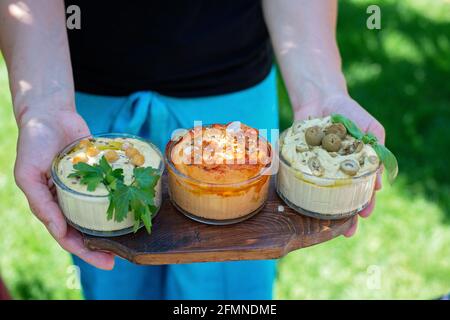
(155, 117)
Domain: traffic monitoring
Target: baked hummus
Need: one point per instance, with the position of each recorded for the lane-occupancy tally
(219, 172)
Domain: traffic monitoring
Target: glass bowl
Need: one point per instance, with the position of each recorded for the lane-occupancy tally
(87, 212)
(216, 203)
(323, 198)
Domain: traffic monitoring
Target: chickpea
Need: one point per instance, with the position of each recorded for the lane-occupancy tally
(92, 151)
(131, 152)
(138, 160)
(84, 143)
(111, 156)
(80, 157)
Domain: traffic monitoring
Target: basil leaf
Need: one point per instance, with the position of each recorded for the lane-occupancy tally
(351, 127)
(386, 157)
(389, 161)
(369, 138)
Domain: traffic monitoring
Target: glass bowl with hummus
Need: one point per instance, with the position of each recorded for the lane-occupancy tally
(219, 174)
(328, 167)
(109, 184)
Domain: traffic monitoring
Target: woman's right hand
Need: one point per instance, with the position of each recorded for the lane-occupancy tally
(41, 136)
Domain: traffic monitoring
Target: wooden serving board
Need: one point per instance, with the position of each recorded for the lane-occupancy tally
(272, 233)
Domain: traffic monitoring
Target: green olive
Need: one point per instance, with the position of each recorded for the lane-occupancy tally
(331, 142)
(350, 167)
(315, 166)
(338, 129)
(314, 136)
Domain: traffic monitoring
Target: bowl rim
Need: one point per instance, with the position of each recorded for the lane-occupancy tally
(171, 167)
(57, 181)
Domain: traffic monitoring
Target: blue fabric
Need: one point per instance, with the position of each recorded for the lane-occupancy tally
(155, 116)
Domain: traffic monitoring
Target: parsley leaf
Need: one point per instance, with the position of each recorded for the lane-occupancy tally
(138, 197)
(146, 177)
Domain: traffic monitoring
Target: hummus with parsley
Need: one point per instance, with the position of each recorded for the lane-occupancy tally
(88, 208)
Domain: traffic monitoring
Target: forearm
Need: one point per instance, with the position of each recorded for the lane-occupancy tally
(33, 40)
(303, 37)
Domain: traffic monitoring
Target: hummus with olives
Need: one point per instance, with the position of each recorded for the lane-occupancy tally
(219, 172)
(86, 210)
(324, 170)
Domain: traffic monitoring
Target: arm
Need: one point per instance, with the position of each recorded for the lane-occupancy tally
(33, 40)
(303, 36)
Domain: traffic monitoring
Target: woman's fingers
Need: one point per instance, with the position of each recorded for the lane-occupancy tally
(367, 211)
(73, 242)
(364, 213)
(41, 201)
(46, 209)
(351, 231)
(378, 184)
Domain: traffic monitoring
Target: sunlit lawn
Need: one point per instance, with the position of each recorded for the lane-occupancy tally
(400, 74)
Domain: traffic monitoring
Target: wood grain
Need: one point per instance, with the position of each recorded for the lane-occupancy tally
(272, 233)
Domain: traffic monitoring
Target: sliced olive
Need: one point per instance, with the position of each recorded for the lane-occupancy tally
(346, 149)
(349, 148)
(301, 148)
(337, 129)
(359, 145)
(362, 159)
(315, 166)
(373, 159)
(350, 167)
(333, 154)
(296, 127)
(331, 142)
(314, 136)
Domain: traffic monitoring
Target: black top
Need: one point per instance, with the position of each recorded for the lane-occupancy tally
(174, 47)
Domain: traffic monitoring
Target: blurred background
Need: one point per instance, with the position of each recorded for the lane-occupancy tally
(401, 75)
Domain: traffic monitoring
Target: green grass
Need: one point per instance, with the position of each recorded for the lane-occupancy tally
(31, 263)
(400, 74)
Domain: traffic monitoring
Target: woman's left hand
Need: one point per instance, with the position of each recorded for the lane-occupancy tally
(348, 107)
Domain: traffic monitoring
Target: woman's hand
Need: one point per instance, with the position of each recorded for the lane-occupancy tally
(41, 137)
(348, 107)
(303, 34)
(43, 94)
